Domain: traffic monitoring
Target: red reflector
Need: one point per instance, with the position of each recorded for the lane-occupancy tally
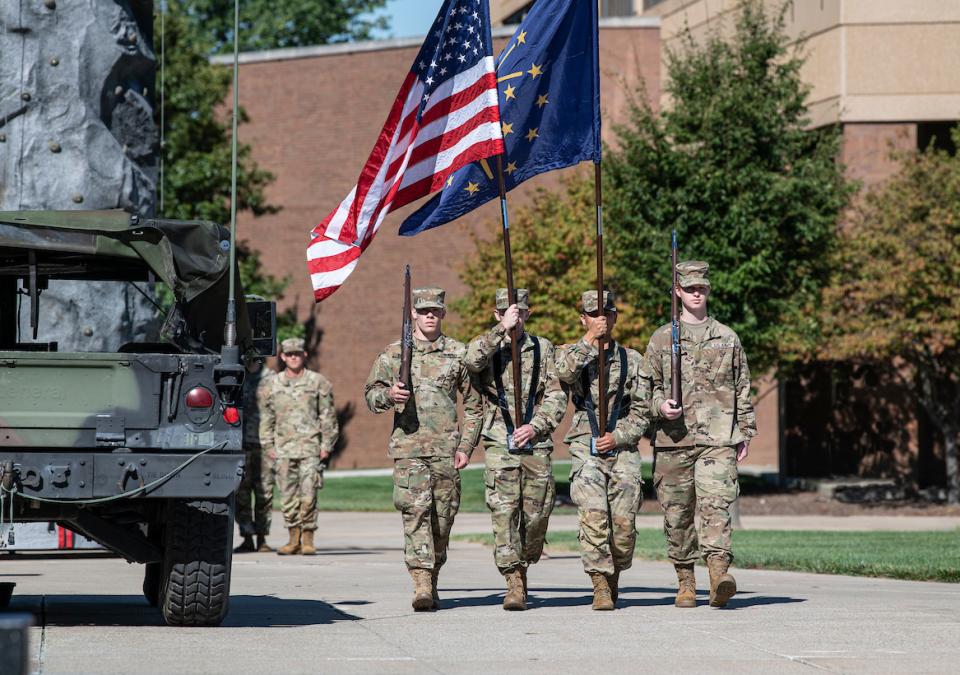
(231, 415)
(199, 397)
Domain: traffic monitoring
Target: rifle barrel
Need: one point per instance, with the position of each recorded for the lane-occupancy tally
(676, 389)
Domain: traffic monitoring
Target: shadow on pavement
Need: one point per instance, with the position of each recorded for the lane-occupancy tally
(22, 574)
(583, 597)
(246, 611)
(737, 602)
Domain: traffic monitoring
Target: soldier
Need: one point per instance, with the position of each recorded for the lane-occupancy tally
(298, 426)
(254, 519)
(427, 446)
(697, 446)
(519, 477)
(605, 480)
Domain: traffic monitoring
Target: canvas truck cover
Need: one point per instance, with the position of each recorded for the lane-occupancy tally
(190, 256)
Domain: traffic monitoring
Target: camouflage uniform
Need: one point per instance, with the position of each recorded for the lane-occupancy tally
(520, 489)
(695, 463)
(298, 422)
(425, 437)
(607, 489)
(257, 475)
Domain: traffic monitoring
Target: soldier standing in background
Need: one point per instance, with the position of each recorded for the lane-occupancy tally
(427, 446)
(254, 519)
(605, 482)
(519, 481)
(697, 446)
(298, 425)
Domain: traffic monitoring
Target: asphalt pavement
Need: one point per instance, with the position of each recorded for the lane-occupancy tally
(347, 610)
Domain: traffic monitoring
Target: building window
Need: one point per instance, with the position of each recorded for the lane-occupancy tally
(649, 4)
(936, 134)
(517, 16)
(616, 8)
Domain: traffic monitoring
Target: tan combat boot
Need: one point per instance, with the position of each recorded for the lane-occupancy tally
(306, 543)
(293, 546)
(262, 545)
(613, 581)
(602, 600)
(515, 599)
(246, 546)
(687, 586)
(434, 580)
(722, 585)
(523, 577)
(422, 590)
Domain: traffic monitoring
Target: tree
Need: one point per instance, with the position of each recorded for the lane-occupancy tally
(731, 165)
(271, 24)
(553, 243)
(893, 299)
(196, 151)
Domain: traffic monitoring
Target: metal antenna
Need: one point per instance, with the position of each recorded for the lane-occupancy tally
(230, 327)
(163, 93)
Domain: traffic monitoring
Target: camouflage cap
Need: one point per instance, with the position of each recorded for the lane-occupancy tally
(693, 273)
(293, 344)
(588, 302)
(424, 298)
(523, 299)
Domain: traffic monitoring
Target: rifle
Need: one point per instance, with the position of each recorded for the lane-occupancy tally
(406, 334)
(676, 391)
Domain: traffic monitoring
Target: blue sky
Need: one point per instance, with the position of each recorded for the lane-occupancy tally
(409, 18)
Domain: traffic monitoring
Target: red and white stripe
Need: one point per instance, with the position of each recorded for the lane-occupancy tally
(460, 124)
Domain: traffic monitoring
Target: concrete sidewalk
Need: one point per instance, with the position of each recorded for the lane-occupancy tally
(347, 611)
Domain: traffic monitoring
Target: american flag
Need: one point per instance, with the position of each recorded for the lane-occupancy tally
(445, 117)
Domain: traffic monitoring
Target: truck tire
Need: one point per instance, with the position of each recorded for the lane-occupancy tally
(198, 553)
(152, 574)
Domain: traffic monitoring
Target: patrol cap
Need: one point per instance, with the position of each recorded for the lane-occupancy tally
(693, 273)
(427, 298)
(293, 344)
(588, 302)
(503, 301)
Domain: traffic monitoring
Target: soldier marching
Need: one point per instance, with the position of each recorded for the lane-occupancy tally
(605, 477)
(518, 476)
(697, 445)
(428, 445)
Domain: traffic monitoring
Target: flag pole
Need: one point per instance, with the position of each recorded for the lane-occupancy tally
(511, 294)
(598, 199)
(601, 369)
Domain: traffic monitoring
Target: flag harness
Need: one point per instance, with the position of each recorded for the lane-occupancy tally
(498, 367)
(587, 403)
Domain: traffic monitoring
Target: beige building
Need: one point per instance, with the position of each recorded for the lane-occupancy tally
(506, 12)
(887, 71)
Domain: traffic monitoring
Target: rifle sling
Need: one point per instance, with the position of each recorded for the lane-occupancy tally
(498, 368)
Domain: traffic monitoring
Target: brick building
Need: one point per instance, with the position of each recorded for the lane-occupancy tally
(885, 71)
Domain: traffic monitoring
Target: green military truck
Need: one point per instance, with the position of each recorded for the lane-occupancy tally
(139, 449)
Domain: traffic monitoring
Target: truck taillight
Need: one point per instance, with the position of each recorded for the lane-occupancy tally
(231, 415)
(199, 397)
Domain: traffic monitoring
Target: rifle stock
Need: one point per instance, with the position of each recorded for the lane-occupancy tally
(676, 391)
(406, 333)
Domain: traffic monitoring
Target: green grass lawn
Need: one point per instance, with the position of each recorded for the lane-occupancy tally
(921, 556)
(375, 493)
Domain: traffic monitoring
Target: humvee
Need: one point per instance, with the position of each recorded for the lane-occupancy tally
(139, 449)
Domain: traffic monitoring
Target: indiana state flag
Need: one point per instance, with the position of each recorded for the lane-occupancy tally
(548, 82)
